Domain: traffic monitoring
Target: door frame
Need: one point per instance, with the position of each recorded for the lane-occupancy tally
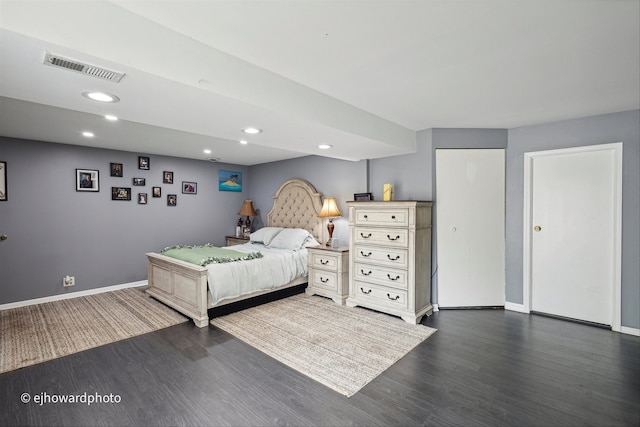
(616, 147)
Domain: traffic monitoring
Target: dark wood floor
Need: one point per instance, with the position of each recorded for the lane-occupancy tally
(483, 367)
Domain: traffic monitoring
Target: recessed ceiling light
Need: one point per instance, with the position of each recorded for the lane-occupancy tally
(207, 151)
(244, 142)
(111, 117)
(252, 131)
(101, 96)
(88, 134)
(325, 146)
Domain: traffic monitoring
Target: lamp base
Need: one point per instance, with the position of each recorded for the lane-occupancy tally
(330, 228)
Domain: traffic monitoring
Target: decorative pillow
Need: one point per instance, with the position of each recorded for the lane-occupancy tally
(265, 235)
(290, 238)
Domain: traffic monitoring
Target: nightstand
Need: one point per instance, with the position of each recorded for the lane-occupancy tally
(329, 273)
(233, 240)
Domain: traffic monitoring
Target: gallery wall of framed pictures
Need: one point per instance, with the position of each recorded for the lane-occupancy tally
(87, 180)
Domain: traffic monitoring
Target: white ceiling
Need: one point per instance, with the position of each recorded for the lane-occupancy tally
(364, 76)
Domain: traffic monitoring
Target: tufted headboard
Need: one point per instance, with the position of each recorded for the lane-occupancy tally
(297, 204)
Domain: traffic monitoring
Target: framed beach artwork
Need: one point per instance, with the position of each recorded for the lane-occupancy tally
(229, 181)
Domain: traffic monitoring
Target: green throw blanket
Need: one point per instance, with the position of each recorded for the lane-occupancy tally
(207, 254)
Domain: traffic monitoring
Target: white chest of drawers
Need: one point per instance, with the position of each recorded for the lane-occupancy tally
(390, 257)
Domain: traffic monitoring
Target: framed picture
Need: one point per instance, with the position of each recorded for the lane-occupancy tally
(143, 163)
(142, 198)
(167, 177)
(120, 193)
(87, 180)
(139, 182)
(156, 192)
(229, 181)
(172, 199)
(360, 197)
(116, 169)
(3, 181)
(189, 187)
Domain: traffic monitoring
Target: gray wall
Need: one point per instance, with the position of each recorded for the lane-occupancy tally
(608, 128)
(54, 230)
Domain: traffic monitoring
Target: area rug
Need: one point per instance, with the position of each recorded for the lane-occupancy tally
(341, 347)
(42, 332)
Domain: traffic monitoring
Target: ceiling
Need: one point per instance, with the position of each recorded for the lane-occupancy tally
(363, 76)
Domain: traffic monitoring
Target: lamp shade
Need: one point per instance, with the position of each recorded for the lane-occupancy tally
(247, 209)
(329, 208)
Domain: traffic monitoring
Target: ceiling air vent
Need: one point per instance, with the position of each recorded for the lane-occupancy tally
(73, 65)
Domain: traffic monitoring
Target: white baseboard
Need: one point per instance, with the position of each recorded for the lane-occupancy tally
(515, 307)
(630, 331)
(72, 295)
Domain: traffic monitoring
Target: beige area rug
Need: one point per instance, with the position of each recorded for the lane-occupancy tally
(341, 347)
(37, 333)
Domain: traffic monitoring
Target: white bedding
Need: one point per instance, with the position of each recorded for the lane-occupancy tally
(276, 268)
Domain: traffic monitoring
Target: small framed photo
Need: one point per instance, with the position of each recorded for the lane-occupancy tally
(143, 163)
(156, 192)
(361, 197)
(3, 181)
(142, 198)
(167, 177)
(189, 187)
(120, 193)
(87, 180)
(138, 182)
(116, 169)
(172, 199)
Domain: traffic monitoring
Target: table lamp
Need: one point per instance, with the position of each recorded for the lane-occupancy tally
(248, 210)
(330, 210)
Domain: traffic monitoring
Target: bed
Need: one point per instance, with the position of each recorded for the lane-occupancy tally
(185, 286)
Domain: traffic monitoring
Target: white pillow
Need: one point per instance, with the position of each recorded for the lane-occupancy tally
(265, 235)
(290, 238)
(310, 242)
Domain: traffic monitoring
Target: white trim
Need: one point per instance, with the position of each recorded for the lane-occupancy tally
(527, 224)
(72, 295)
(512, 306)
(435, 307)
(630, 331)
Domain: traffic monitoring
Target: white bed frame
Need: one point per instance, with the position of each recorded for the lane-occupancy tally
(183, 286)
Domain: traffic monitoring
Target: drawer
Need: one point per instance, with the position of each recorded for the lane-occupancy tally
(324, 260)
(378, 236)
(323, 279)
(382, 217)
(392, 257)
(383, 276)
(381, 295)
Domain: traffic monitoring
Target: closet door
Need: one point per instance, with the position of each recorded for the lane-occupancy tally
(470, 204)
(573, 233)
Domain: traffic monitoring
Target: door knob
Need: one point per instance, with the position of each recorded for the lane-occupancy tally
(537, 228)
(4, 237)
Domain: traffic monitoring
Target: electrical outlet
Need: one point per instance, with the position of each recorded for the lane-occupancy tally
(68, 281)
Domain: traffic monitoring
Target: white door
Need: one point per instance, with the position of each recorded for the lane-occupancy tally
(573, 234)
(470, 205)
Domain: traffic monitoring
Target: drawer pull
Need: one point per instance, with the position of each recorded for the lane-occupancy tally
(365, 292)
(393, 299)
(323, 280)
(366, 217)
(393, 259)
(324, 262)
(365, 255)
(365, 274)
(365, 237)
(393, 217)
(392, 278)
(392, 238)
